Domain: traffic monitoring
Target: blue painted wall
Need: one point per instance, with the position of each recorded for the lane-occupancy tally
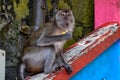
(105, 67)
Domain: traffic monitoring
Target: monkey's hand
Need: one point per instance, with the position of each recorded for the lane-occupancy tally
(68, 35)
(64, 32)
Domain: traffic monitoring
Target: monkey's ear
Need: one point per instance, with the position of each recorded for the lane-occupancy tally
(54, 14)
(71, 12)
(56, 10)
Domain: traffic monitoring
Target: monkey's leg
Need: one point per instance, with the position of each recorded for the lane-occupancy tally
(62, 62)
(21, 70)
(50, 65)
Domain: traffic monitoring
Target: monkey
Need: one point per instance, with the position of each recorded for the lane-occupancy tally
(43, 51)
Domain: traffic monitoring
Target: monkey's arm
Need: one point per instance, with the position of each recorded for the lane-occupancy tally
(48, 40)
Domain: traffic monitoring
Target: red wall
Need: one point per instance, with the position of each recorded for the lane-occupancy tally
(106, 10)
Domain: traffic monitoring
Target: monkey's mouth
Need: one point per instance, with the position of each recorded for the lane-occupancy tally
(66, 25)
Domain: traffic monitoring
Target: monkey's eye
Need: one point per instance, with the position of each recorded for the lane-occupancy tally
(62, 14)
(68, 14)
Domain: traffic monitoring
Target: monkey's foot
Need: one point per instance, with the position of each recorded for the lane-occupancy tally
(68, 69)
(58, 68)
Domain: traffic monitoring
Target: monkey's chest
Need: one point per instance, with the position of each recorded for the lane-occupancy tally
(59, 45)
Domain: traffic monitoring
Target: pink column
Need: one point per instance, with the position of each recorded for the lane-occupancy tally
(106, 11)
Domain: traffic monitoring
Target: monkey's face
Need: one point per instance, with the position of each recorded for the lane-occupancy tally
(65, 20)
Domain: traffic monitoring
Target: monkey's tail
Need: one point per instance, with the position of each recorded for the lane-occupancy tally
(20, 71)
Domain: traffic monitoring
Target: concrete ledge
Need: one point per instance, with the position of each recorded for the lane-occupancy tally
(85, 50)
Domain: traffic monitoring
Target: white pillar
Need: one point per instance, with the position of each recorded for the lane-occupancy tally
(2, 64)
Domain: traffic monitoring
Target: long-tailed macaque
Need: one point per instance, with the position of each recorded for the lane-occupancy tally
(43, 50)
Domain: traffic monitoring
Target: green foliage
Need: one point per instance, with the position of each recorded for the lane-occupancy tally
(0, 6)
(63, 5)
(83, 11)
(87, 30)
(77, 33)
(68, 43)
(49, 5)
(21, 9)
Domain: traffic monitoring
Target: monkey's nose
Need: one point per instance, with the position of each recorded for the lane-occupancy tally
(67, 24)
